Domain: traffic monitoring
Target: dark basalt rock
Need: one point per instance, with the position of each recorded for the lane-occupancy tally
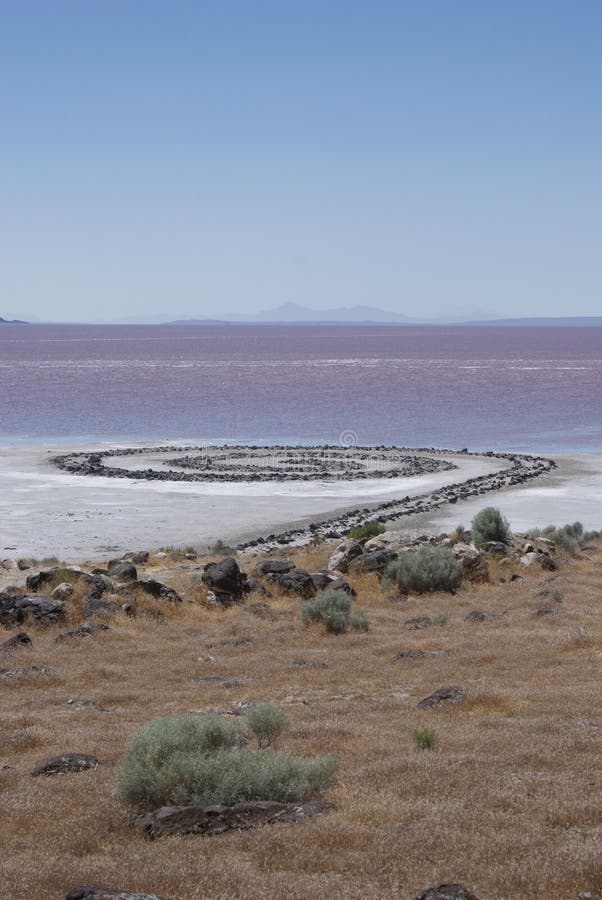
(95, 607)
(158, 590)
(274, 567)
(21, 639)
(226, 580)
(122, 570)
(66, 764)
(373, 562)
(210, 820)
(410, 654)
(81, 631)
(419, 623)
(340, 585)
(16, 608)
(446, 892)
(297, 581)
(451, 694)
(96, 892)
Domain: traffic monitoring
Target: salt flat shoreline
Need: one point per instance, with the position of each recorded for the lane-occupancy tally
(47, 512)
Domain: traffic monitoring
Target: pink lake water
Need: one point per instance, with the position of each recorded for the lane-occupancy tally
(524, 389)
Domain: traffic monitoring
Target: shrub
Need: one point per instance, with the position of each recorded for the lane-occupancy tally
(489, 525)
(333, 609)
(267, 723)
(368, 530)
(202, 760)
(427, 569)
(424, 738)
(569, 537)
(222, 549)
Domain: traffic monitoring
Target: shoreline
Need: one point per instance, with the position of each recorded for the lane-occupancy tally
(46, 512)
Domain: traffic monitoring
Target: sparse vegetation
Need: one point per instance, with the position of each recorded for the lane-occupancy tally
(368, 530)
(333, 609)
(489, 525)
(220, 548)
(203, 760)
(424, 738)
(267, 722)
(571, 538)
(424, 570)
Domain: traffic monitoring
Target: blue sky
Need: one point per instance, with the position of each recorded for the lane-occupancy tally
(196, 158)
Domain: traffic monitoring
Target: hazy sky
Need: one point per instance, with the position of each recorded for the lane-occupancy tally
(212, 157)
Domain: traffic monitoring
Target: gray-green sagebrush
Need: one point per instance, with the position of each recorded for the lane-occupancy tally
(204, 759)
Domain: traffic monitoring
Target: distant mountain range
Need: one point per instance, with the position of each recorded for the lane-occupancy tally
(294, 314)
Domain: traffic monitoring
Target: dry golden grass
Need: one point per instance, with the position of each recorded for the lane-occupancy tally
(508, 802)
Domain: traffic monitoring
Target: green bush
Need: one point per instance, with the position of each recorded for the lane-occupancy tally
(427, 569)
(202, 760)
(568, 537)
(333, 609)
(489, 525)
(267, 723)
(368, 530)
(222, 549)
(424, 738)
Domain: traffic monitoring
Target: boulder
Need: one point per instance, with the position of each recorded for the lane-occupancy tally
(66, 764)
(473, 564)
(63, 591)
(297, 581)
(217, 819)
(322, 580)
(376, 561)
(273, 567)
(256, 587)
(138, 557)
(446, 892)
(122, 570)
(96, 607)
(21, 639)
(15, 609)
(226, 580)
(96, 892)
(158, 590)
(343, 555)
(451, 694)
(339, 584)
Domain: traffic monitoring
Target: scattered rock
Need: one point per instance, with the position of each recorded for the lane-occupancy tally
(15, 609)
(217, 819)
(376, 561)
(256, 587)
(96, 892)
(419, 623)
(63, 591)
(66, 764)
(95, 607)
(81, 631)
(158, 590)
(446, 892)
(342, 556)
(480, 615)
(473, 564)
(410, 654)
(339, 584)
(226, 580)
(21, 639)
(30, 670)
(138, 557)
(123, 570)
(82, 703)
(274, 567)
(297, 581)
(451, 694)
